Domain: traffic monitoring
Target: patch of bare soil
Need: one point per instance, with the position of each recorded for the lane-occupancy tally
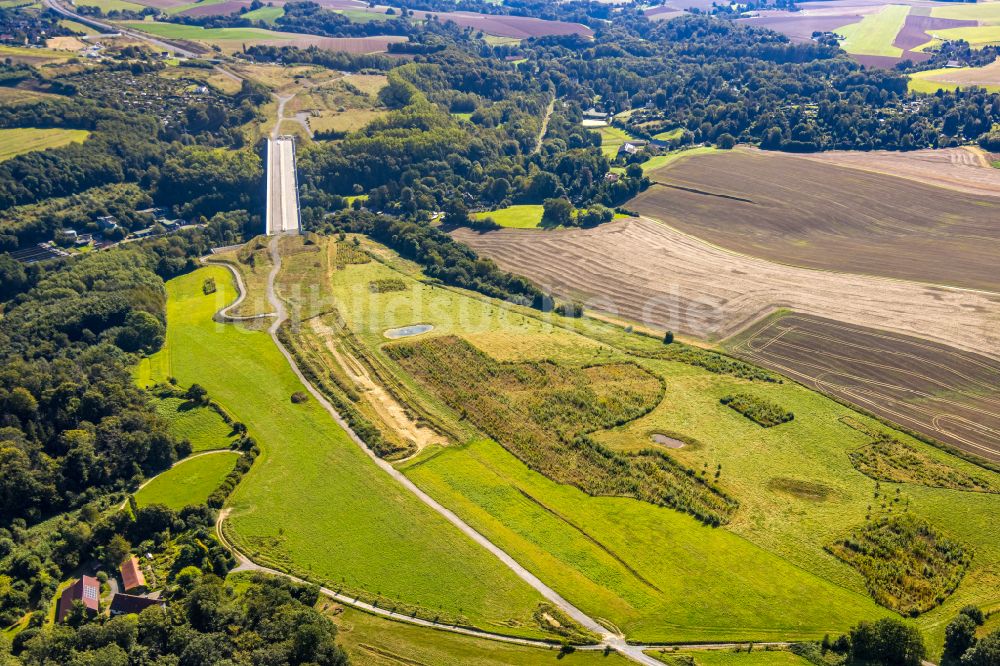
(384, 404)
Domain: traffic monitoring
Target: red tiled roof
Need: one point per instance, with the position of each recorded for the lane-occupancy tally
(132, 577)
(86, 589)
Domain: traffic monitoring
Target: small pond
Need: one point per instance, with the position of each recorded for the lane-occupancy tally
(668, 442)
(407, 331)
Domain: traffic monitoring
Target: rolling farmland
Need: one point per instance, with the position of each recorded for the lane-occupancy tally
(964, 169)
(949, 395)
(811, 214)
(653, 274)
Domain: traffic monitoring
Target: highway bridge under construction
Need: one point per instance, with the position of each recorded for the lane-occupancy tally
(282, 187)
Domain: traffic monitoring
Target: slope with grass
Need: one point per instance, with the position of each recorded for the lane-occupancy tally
(874, 34)
(612, 138)
(654, 572)
(374, 641)
(22, 140)
(313, 503)
(729, 657)
(200, 425)
(188, 482)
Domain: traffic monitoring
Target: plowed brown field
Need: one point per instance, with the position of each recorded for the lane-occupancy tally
(818, 215)
(949, 395)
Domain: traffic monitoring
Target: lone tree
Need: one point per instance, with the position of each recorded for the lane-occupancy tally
(668, 337)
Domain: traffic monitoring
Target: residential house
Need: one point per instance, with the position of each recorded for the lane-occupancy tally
(87, 589)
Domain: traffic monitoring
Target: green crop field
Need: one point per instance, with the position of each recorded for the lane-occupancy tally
(190, 481)
(313, 503)
(374, 641)
(22, 140)
(202, 426)
(873, 35)
(523, 216)
(656, 573)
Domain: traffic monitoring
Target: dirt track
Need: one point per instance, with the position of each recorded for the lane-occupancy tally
(949, 395)
(653, 274)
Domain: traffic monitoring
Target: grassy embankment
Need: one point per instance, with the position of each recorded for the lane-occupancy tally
(313, 503)
(22, 140)
(656, 573)
(374, 641)
(188, 482)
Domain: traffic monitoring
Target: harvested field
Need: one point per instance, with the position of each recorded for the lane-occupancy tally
(217, 9)
(520, 27)
(943, 393)
(964, 169)
(652, 274)
(799, 26)
(949, 78)
(807, 213)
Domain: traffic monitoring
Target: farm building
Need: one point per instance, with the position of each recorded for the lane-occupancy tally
(594, 114)
(130, 604)
(132, 578)
(87, 590)
(628, 149)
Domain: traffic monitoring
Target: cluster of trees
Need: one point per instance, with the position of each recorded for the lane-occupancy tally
(760, 411)
(266, 620)
(73, 425)
(125, 147)
(961, 646)
(723, 81)
(885, 642)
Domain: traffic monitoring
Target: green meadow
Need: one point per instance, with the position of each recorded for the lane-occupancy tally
(656, 573)
(202, 426)
(313, 503)
(22, 140)
(521, 216)
(188, 482)
(266, 14)
(874, 33)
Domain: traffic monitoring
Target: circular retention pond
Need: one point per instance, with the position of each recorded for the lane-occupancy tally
(407, 331)
(668, 442)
